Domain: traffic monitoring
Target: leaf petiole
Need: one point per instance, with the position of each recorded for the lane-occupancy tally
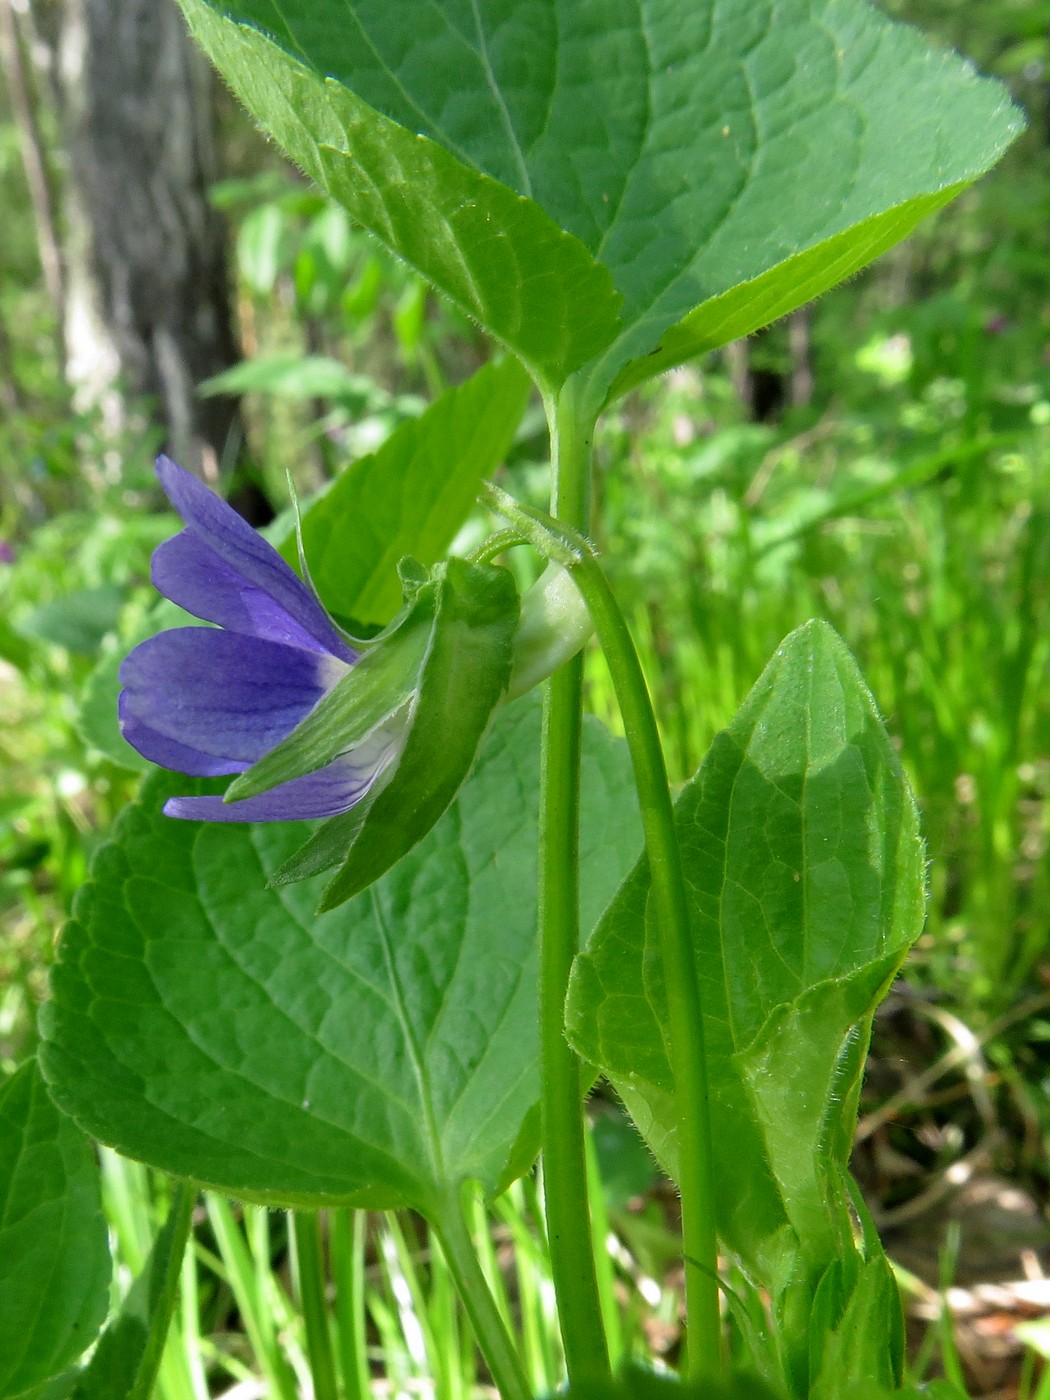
(494, 1341)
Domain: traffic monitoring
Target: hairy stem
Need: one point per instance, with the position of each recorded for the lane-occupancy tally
(564, 1157)
(685, 1019)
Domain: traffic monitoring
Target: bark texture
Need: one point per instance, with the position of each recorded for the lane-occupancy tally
(147, 302)
(34, 159)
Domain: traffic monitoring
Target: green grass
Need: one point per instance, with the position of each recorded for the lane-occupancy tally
(391, 1310)
(391, 1313)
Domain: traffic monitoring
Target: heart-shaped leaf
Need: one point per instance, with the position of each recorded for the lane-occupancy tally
(856, 1329)
(54, 1251)
(805, 871)
(718, 164)
(376, 1054)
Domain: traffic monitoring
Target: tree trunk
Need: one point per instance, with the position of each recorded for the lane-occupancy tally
(147, 304)
(34, 160)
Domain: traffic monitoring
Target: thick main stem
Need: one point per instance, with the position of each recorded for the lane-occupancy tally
(685, 1020)
(564, 1156)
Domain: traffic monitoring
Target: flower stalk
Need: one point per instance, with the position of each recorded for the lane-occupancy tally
(670, 906)
(564, 1154)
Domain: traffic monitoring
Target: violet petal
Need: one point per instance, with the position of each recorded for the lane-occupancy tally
(169, 753)
(190, 573)
(326, 793)
(239, 547)
(222, 694)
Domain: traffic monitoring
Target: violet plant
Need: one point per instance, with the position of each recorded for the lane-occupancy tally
(609, 187)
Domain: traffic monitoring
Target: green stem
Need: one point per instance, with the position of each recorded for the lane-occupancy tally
(684, 1015)
(494, 546)
(310, 1276)
(671, 910)
(493, 1339)
(564, 1155)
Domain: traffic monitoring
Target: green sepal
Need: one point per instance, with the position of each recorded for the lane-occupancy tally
(374, 688)
(464, 674)
(555, 624)
(325, 848)
(413, 577)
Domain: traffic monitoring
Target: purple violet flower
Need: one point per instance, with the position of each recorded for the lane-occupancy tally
(208, 701)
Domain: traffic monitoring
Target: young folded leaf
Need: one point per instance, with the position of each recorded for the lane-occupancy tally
(805, 866)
